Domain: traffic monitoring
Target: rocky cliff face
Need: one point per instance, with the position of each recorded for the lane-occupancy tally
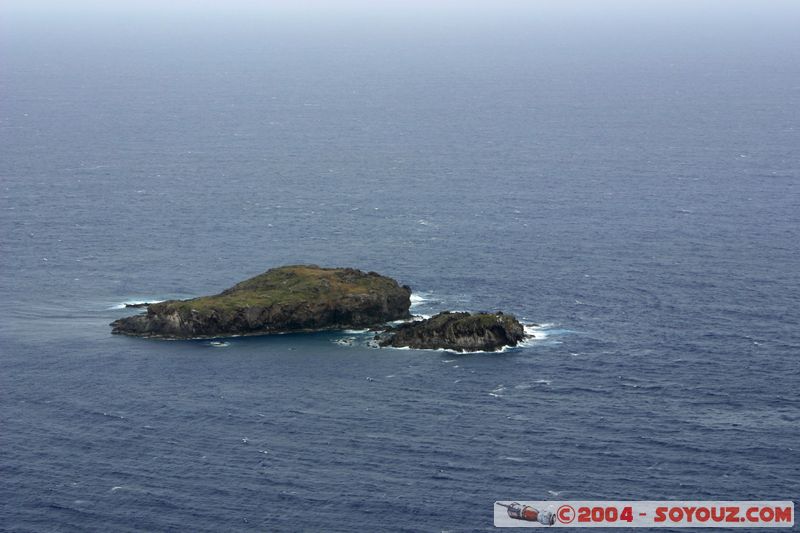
(462, 332)
(286, 299)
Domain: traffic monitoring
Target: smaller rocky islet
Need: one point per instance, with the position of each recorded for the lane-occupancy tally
(457, 331)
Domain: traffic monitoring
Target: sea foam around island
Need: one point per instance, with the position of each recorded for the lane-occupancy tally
(126, 303)
(418, 299)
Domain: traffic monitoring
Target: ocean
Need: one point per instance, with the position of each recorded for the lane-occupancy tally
(627, 182)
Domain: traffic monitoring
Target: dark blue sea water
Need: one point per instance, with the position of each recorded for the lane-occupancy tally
(629, 182)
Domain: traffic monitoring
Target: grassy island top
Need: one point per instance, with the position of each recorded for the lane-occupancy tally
(294, 284)
(462, 319)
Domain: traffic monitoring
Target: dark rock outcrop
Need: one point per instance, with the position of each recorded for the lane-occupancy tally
(461, 332)
(285, 299)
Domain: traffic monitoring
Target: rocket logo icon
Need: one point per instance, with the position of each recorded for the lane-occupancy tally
(527, 513)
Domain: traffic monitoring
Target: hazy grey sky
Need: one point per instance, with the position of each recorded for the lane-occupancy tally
(723, 27)
(596, 9)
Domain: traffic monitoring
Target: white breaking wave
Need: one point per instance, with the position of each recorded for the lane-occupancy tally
(219, 344)
(414, 318)
(346, 341)
(535, 333)
(539, 331)
(498, 391)
(445, 350)
(123, 305)
(419, 298)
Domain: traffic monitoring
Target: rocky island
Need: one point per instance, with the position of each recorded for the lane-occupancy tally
(286, 299)
(461, 332)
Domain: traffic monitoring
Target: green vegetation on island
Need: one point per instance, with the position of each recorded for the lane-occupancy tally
(285, 299)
